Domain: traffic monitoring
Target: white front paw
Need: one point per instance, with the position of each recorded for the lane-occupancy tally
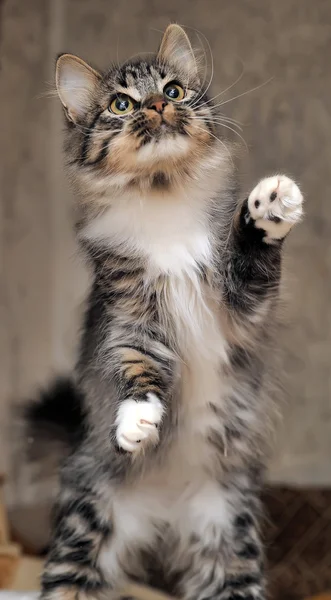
(137, 423)
(275, 204)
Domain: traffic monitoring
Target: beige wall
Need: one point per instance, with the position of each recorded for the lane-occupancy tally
(287, 128)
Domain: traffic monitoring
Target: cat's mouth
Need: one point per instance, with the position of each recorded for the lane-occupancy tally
(163, 126)
(165, 129)
(167, 137)
(164, 145)
(159, 125)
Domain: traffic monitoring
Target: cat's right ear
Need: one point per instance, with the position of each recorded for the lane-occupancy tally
(75, 84)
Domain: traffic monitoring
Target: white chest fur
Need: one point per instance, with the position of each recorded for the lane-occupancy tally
(171, 232)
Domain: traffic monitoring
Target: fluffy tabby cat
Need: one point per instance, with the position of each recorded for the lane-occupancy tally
(162, 483)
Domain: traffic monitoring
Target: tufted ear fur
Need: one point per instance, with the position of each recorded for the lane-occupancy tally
(75, 83)
(176, 48)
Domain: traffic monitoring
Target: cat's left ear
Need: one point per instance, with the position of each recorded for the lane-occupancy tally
(176, 48)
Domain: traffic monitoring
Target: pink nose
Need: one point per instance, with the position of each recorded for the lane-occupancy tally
(158, 105)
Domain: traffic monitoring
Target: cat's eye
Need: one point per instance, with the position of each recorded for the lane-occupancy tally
(121, 105)
(174, 92)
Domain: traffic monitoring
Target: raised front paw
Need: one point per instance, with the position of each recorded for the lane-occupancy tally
(137, 423)
(275, 205)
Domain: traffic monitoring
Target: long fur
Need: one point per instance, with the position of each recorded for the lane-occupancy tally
(173, 368)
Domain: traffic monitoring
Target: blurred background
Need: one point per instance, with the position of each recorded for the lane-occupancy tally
(284, 44)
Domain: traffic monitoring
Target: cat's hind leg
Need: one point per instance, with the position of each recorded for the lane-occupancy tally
(72, 570)
(98, 540)
(220, 555)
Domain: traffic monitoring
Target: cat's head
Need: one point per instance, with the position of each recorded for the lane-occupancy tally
(148, 117)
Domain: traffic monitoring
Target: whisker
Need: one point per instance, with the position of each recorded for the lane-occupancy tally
(205, 65)
(47, 94)
(53, 91)
(90, 129)
(98, 133)
(212, 65)
(232, 123)
(138, 54)
(234, 131)
(218, 123)
(226, 89)
(220, 141)
(228, 120)
(223, 122)
(244, 93)
(223, 116)
(117, 49)
(237, 133)
(219, 120)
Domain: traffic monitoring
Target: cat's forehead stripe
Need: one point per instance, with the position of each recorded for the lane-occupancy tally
(131, 79)
(131, 91)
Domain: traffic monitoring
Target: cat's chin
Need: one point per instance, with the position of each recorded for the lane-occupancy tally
(169, 147)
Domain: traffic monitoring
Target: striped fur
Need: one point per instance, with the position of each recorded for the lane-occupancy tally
(163, 487)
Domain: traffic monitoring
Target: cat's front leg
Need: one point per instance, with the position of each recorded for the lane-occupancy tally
(274, 206)
(138, 422)
(144, 376)
(252, 260)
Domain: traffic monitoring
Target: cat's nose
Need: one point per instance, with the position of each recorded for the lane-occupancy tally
(158, 105)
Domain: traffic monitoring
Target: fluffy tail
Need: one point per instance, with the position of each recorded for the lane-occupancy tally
(57, 416)
(44, 431)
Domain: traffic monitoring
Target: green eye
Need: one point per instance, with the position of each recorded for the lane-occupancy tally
(174, 92)
(122, 105)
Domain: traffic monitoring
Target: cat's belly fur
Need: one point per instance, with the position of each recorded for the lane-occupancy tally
(182, 492)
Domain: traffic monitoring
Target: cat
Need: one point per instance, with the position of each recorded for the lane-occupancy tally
(162, 484)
